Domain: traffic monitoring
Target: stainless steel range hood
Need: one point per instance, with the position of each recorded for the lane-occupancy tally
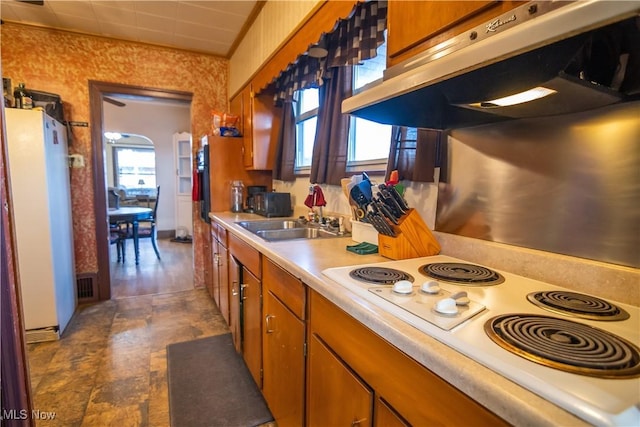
(558, 45)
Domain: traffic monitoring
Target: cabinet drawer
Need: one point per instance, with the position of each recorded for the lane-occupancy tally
(218, 232)
(286, 287)
(247, 255)
(397, 378)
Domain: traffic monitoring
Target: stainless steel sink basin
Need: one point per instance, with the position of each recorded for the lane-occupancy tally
(275, 230)
(294, 233)
(276, 224)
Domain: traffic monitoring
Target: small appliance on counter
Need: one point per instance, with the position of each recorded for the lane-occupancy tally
(251, 192)
(272, 204)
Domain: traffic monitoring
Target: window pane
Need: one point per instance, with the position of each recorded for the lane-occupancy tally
(371, 140)
(136, 168)
(308, 100)
(371, 69)
(305, 136)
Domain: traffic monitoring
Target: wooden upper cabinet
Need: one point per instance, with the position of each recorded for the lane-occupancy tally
(414, 26)
(260, 124)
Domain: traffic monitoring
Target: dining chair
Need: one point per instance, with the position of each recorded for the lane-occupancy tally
(146, 228)
(115, 239)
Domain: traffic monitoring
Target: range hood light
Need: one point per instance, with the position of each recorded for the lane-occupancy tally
(518, 98)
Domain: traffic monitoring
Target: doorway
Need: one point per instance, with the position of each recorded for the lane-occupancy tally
(98, 91)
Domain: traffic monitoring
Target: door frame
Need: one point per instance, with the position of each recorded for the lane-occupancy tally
(97, 91)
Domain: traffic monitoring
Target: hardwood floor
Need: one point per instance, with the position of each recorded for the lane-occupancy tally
(172, 273)
(109, 368)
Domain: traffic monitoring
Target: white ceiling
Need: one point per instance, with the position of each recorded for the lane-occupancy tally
(208, 26)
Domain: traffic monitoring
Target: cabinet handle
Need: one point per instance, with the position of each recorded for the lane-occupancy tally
(357, 422)
(267, 322)
(233, 288)
(242, 287)
(215, 259)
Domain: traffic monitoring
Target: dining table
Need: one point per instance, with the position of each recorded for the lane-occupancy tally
(131, 215)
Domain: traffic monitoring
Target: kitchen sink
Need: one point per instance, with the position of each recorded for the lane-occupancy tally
(275, 224)
(276, 230)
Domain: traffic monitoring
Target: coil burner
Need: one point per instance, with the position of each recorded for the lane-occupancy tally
(379, 275)
(577, 305)
(462, 273)
(565, 345)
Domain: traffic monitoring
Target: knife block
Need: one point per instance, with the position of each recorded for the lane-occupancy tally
(413, 239)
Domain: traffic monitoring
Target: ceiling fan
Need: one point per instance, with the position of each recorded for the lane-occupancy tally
(114, 102)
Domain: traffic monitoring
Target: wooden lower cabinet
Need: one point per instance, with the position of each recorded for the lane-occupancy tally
(223, 281)
(283, 348)
(386, 416)
(251, 296)
(337, 397)
(219, 289)
(283, 359)
(411, 392)
(234, 304)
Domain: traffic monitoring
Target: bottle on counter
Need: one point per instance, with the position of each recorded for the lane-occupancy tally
(22, 97)
(237, 188)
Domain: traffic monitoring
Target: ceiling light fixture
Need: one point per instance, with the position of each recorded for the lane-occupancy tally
(112, 136)
(518, 98)
(319, 50)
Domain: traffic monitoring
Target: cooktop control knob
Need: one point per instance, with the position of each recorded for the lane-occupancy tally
(403, 287)
(461, 298)
(446, 306)
(430, 287)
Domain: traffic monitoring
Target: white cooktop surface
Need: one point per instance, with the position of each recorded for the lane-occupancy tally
(596, 400)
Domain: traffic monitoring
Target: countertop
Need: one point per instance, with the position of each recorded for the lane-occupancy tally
(306, 259)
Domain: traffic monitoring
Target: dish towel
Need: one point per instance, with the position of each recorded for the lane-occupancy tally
(315, 197)
(363, 248)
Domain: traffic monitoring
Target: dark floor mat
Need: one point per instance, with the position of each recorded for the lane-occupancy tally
(210, 385)
(186, 239)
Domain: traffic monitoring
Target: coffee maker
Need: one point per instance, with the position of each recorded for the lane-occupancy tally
(251, 190)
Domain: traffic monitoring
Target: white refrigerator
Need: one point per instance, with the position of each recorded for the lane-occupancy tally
(41, 198)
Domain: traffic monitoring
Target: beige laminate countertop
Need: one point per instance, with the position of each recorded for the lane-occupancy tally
(306, 259)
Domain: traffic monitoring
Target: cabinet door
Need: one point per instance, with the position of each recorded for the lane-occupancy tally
(283, 361)
(213, 284)
(385, 416)
(438, 22)
(247, 118)
(260, 124)
(251, 294)
(236, 106)
(265, 124)
(234, 303)
(336, 397)
(184, 163)
(223, 278)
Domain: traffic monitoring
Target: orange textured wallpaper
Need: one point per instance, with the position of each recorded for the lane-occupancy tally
(63, 63)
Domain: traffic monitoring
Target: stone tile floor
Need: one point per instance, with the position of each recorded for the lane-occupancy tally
(109, 368)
